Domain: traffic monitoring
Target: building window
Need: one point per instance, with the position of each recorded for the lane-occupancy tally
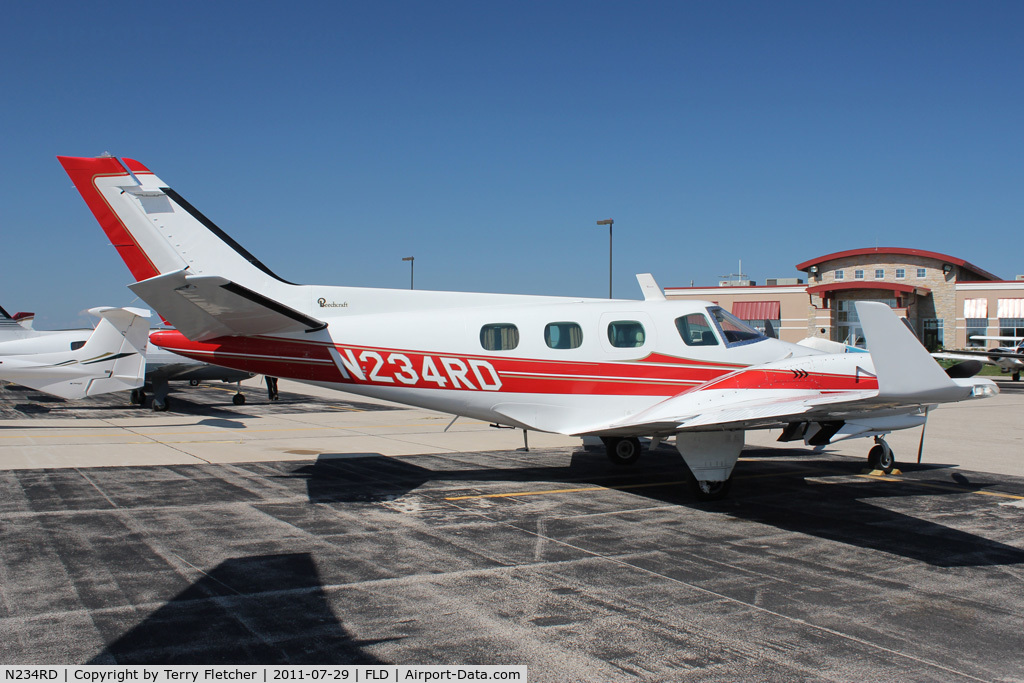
(921, 272)
(499, 336)
(879, 273)
(626, 334)
(932, 336)
(858, 274)
(901, 273)
(1011, 327)
(695, 330)
(976, 327)
(839, 275)
(563, 335)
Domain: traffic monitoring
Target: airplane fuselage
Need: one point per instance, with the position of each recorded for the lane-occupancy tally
(493, 357)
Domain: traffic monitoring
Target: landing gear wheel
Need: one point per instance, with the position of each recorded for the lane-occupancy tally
(1016, 376)
(137, 397)
(710, 490)
(159, 406)
(622, 451)
(193, 383)
(881, 457)
(238, 399)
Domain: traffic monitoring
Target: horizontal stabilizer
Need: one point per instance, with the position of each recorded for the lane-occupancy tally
(206, 307)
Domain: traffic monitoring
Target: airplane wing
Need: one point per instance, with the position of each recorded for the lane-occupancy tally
(981, 355)
(206, 307)
(1009, 339)
(901, 378)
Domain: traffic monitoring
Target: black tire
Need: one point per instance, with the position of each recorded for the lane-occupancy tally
(238, 399)
(623, 451)
(706, 491)
(1016, 376)
(193, 383)
(160, 406)
(137, 397)
(881, 458)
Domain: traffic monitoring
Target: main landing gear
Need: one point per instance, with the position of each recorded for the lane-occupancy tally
(709, 457)
(880, 457)
(622, 451)
(710, 490)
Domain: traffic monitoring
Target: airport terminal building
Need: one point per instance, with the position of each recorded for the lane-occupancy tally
(946, 299)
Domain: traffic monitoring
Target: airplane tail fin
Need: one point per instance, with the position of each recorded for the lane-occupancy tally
(154, 229)
(112, 359)
(118, 346)
(905, 370)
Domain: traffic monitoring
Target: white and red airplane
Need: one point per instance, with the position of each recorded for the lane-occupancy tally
(616, 369)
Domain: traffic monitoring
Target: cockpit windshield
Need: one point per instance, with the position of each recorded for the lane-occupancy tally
(734, 330)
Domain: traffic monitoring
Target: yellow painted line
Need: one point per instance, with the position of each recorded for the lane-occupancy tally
(106, 431)
(516, 494)
(954, 488)
(998, 495)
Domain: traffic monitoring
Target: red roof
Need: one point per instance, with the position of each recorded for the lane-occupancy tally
(860, 284)
(899, 251)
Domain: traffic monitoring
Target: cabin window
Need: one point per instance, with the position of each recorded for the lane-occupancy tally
(75, 345)
(695, 330)
(499, 336)
(626, 334)
(733, 329)
(563, 335)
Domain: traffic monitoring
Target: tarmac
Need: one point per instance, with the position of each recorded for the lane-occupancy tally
(327, 528)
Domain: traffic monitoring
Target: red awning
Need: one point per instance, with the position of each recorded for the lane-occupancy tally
(757, 310)
(895, 287)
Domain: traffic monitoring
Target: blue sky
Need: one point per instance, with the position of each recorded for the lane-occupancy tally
(487, 138)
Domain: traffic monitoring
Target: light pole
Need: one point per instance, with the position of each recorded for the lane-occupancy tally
(412, 267)
(609, 222)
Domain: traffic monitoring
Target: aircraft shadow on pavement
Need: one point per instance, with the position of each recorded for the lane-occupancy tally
(268, 609)
(775, 493)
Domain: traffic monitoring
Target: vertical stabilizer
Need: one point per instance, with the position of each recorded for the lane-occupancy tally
(905, 370)
(112, 359)
(154, 229)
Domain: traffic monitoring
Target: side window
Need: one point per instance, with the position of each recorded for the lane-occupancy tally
(626, 334)
(563, 335)
(75, 345)
(499, 336)
(696, 330)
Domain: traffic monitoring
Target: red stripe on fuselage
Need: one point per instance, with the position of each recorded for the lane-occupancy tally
(788, 379)
(279, 357)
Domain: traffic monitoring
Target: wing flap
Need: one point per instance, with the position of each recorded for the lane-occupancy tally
(206, 307)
